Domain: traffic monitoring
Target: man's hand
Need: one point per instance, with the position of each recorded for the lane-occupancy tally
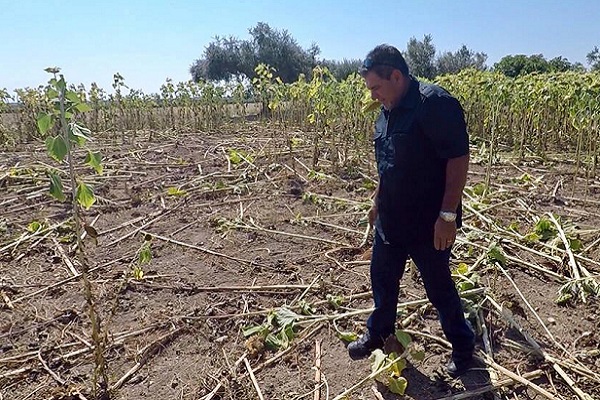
(444, 234)
(372, 215)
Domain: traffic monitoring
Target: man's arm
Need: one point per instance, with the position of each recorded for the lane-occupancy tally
(373, 211)
(456, 178)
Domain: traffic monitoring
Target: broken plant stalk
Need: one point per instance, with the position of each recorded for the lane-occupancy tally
(572, 262)
(538, 350)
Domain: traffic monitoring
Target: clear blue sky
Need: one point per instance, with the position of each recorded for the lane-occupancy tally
(147, 41)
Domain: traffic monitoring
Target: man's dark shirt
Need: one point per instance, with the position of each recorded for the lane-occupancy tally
(413, 143)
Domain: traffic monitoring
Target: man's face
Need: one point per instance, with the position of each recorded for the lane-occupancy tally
(388, 92)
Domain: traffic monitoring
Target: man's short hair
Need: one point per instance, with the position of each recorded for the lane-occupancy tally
(382, 60)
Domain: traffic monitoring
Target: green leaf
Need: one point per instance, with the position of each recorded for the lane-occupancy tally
(251, 330)
(138, 273)
(56, 187)
(575, 244)
(94, 160)
(280, 340)
(404, 338)
(44, 123)
(397, 385)
(532, 237)
(479, 188)
(397, 367)
(261, 330)
(85, 195)
(335, 301)
(234, 156)
(563, 299)
(82, 107)
(81, 133)
(51, 94)
(316, 175)
(145, 254)
(418, 355)
(288, 332)
(347, 336)
(57, 149)
(514, 227)
(72, 97)
(545, 229)
(462, 269)
(496, 254)
(590, 286)
(524, 178)
(274, 342)
(377, 358)
(173, 191)
(34, 226)
(305, 307)
(285, 317)
(61, 84)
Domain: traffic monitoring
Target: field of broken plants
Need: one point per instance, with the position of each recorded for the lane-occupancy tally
(234, 265)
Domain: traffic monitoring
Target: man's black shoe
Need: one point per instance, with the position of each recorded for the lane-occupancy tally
(458, 366)
(363, 347)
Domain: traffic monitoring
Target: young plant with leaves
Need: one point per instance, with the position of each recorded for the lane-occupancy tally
(275, 333)
(144, 256)
(466, 279)
(65, 106)
(389, 367)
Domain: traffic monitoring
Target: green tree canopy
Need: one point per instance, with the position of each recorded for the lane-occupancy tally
(342, 69)
(520, 64)
(420, 57)
(451, 63)
(593, 59)
(423, 61)
(227, 58)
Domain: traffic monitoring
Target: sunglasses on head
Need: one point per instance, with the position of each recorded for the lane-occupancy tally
(369, 63)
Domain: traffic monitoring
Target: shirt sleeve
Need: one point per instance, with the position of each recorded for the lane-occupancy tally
(444, 124)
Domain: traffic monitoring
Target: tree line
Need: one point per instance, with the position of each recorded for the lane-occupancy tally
(230, 58)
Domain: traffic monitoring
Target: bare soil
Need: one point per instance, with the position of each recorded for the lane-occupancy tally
(243, 240)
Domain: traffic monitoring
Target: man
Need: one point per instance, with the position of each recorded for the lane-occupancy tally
(422, 152)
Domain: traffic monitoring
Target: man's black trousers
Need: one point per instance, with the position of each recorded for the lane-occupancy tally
(387, 267)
